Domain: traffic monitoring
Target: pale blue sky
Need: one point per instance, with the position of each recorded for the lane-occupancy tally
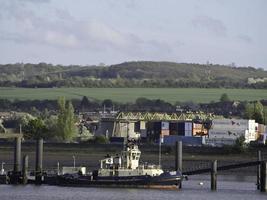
(114, 31)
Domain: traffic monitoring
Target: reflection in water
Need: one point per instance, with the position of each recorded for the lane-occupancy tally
(229, 187)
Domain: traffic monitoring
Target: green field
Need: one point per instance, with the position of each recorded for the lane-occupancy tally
(131, 94)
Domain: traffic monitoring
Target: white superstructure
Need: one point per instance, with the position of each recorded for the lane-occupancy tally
(127, 164)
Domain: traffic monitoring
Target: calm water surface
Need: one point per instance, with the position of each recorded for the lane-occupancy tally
(229, 187)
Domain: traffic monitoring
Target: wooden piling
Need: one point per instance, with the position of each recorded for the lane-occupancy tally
(179, 158)
(39, 161)
(263, 176)
(16, 174)
(17, 155)
(213, 178)
(25, 169)
(259, 171)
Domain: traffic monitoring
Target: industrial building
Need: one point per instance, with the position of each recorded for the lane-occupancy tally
(150, 127)
(192, 129)
(226, 131)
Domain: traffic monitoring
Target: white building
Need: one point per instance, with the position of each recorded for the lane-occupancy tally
(226, 131)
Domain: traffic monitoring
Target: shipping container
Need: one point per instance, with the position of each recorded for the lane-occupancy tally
(142, 125)
(153, 130)
(197, 126)
(181, 128)
(199, 130)
(173, 128)
(165, 132)
(137, 126)
(143, 133)
(165, 126)
(188, 126)
(188, 133)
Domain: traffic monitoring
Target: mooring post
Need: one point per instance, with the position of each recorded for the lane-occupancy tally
(39, 161)
(179, 157)
(15, 176)
(213, 178)
(17, 155)
(25, 169)
(263, 176)
(58, 170)
(259, 171)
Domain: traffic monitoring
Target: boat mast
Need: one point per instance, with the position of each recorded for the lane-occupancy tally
(160, 138)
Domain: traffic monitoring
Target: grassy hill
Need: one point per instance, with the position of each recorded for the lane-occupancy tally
(130, 74)
(123, 95)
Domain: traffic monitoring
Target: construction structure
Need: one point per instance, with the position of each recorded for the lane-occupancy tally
(152, 126)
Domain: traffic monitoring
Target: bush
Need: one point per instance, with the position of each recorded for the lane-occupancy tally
(240, 145)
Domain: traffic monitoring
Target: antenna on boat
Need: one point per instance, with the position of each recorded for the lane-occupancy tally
(125, 141)
(74, 162)
(160, 141)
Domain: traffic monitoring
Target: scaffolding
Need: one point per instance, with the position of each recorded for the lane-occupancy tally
(156, 116)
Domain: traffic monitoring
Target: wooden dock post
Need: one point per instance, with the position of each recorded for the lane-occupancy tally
(259, 171)
(179, 157)
(263, 176)
(25, 169)
(213, 178)
(17, 155)
(39, 161)
(15, 176)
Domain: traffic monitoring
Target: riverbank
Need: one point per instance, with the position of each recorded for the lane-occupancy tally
(235, 188)
(88, 155)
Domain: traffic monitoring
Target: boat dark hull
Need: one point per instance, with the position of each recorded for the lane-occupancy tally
(164, 181)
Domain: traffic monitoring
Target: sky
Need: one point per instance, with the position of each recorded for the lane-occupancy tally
(89, 32)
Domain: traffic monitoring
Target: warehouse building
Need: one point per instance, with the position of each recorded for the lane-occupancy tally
(226, 131)
(150, 127)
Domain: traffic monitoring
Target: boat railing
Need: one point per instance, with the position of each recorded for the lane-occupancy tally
(149, 166)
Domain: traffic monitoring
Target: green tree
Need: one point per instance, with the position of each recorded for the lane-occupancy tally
(107, 103)
(84, 103)
(240, 145)
(265, 115)
(66, 121)
(255, 111)
(35, 129)
(2, 128)
(225, 98)
(249, 111)
(51, 125)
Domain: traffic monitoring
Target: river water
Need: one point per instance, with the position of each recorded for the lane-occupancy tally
(197, 188)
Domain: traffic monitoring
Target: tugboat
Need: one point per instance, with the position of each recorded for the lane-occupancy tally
(123, 171)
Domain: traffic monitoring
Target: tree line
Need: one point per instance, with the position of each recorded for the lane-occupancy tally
(59, 121)
(132, 74)
(224, 106)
